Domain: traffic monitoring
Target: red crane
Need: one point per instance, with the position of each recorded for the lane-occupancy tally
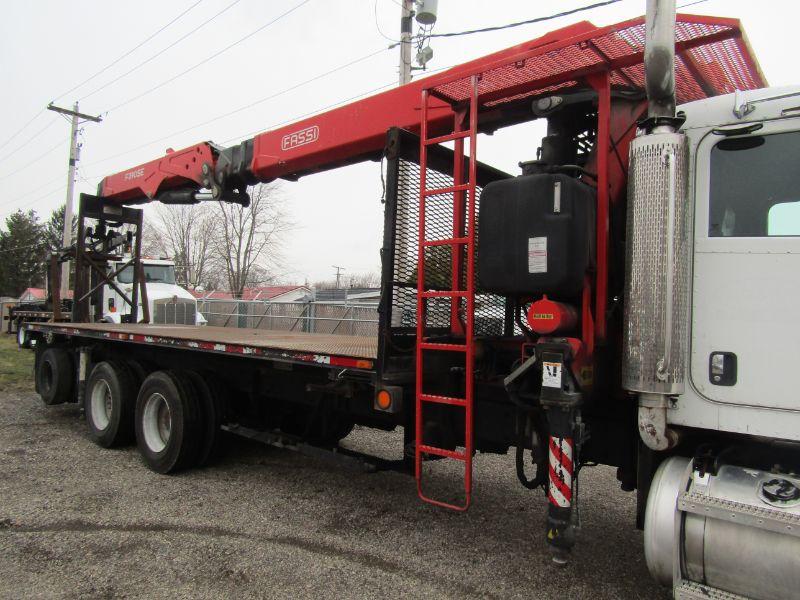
(712, 58)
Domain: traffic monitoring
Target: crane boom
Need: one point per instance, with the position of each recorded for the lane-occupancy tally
(562, 59)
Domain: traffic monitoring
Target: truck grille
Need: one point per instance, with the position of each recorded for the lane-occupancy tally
(175, 312)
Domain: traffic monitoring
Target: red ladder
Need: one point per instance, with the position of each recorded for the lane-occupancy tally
(463, 235)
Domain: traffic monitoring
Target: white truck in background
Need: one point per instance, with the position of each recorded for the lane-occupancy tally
(169, 303)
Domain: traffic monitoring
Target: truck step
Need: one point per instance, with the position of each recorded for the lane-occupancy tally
(761, 517)
(691, 590)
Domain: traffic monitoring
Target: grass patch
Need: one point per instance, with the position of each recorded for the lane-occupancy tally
(16, 366)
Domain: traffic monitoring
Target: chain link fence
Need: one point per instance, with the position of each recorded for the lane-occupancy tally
(339, 318)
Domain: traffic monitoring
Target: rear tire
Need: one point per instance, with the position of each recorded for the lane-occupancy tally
(109, 404)
(210, 405)
(23, 338)
(55, 376)
(168, 422)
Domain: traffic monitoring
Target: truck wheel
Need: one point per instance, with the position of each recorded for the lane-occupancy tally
(208, 395)
(54, 376)
(168, 422)
(109, 403)
(22, 334)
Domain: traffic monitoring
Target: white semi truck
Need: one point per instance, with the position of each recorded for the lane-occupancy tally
(169, 303)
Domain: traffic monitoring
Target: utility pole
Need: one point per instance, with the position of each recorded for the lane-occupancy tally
(406, 15)
(74, 156)
(338, 274)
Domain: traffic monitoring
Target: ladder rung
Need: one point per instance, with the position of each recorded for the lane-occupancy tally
(462, 456)
(444, 294)
(443, 347)
(447, 138)
(449, 400)
(446, 190)
(446, 242)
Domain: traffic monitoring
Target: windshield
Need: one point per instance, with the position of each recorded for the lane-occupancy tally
(152, 274)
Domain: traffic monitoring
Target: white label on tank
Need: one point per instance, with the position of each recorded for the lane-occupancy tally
(557, 197)
(537, 255)
(551, 374)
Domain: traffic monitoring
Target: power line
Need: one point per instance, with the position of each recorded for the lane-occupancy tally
(35, 160)
(527, 22)
(160, 52)
(21, 129)
(244, 107)
(128, 53)
(377, 25)
(211, 56)
(296, 118)
(36, 189)
(309, 114)
(34, 200)
(30, 139)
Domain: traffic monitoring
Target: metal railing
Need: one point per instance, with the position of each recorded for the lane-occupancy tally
(359, 319)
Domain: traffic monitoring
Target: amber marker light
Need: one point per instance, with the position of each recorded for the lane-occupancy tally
(383, 400)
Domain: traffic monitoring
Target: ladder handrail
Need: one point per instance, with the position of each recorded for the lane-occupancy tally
(461, 231)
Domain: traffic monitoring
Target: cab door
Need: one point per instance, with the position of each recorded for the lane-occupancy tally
(745, 331)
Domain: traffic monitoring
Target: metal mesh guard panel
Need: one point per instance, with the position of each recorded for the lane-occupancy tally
(489, 308)
(715, 60)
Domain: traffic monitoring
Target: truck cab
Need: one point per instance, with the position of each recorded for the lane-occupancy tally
(169, 303)
(744, 333)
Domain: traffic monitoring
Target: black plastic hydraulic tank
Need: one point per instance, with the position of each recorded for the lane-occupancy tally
(536, 235)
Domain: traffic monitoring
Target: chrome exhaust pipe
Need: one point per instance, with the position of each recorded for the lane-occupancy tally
(657, 253)
(659, 59)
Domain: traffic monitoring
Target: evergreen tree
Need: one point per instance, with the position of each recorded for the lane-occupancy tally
(54, 229)
(22, 253)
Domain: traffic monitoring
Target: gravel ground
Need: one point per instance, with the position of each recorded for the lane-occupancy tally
(79, 521)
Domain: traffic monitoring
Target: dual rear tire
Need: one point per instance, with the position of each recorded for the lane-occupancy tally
(168, 422)
(55, 376)
(109, 403)
(175, 417)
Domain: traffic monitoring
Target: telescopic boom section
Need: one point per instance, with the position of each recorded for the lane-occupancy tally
(712, 57)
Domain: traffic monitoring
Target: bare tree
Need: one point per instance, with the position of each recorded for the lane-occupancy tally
(248, 241)
(368, 279)
(186, 234)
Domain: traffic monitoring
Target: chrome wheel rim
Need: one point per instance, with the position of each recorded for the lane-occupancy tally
(156, 422)
(101, 404)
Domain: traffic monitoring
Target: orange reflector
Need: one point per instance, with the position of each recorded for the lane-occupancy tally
(383, 400)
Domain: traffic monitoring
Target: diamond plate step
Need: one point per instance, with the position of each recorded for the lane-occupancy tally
(691, 590)
(771, 519)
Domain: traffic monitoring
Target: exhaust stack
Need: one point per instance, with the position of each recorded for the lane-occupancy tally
(657, 253)
(659, 58)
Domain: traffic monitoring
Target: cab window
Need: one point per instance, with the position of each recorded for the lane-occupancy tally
(152, 274)
(754, 189)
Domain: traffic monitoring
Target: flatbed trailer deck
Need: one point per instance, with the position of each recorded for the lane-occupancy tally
(352, 352)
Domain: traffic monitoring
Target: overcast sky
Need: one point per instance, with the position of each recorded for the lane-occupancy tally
(50, 46)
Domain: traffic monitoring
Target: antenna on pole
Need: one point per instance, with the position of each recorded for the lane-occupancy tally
(338, 274)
